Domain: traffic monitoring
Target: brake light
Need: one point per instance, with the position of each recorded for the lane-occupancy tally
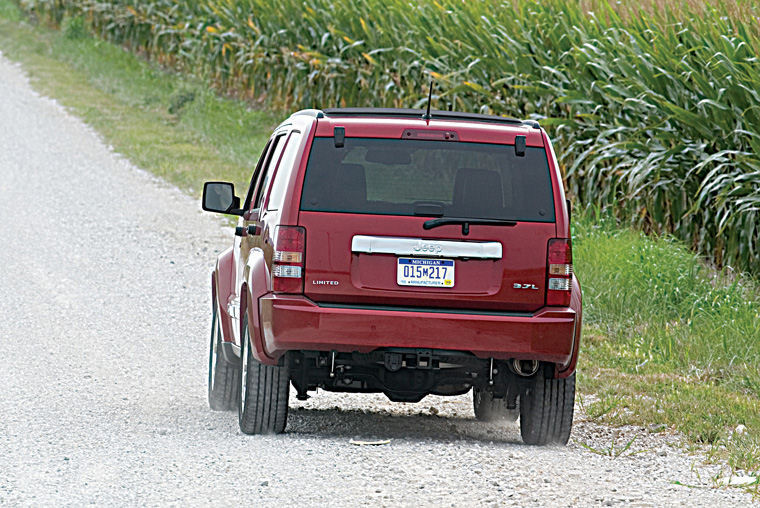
(559, 272)
(288, 259)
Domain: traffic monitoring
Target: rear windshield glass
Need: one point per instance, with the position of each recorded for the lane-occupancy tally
(401, 177)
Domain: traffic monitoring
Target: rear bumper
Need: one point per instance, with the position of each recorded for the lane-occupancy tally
(292, 322)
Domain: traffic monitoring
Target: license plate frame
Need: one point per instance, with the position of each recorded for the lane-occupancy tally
(425, 272)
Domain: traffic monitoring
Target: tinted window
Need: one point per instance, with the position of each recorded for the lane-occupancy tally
(277, 195)
(255, 177)
(272, 158)
(394, 176)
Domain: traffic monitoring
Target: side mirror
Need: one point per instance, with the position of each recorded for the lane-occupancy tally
(220, 197)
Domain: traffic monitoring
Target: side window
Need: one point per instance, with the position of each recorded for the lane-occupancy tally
(266, 172)
(255, 176)
(282, 176)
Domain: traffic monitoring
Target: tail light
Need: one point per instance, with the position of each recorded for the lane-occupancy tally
(288, 260)
(559, 272)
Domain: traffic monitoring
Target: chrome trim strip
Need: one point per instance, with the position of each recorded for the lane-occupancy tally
(401, 246)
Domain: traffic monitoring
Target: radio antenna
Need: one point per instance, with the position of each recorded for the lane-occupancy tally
(427, 116)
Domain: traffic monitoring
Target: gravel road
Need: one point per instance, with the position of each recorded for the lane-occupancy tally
(105, 311)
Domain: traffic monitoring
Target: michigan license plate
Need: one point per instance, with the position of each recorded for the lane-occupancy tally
(425, 272)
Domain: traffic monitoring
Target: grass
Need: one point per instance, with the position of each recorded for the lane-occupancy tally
(668, 341)
(168, 124)
(615, 449)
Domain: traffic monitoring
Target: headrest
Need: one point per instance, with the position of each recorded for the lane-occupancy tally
(478, 191)
(351, 182)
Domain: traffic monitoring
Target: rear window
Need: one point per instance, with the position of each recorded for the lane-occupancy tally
(397, 177)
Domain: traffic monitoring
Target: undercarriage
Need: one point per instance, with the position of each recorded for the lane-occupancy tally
(408, 375)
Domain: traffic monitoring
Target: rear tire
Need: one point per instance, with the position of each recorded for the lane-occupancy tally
(223, 378)
(488, 409)
(546, 410)
(264, 391)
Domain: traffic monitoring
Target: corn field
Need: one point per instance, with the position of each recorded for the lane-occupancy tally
(655, 109)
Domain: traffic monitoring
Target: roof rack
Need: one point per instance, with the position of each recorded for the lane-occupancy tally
(417, 113)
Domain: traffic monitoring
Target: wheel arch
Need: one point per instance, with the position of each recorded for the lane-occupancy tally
(223, 277)
(576, 303)
(255, 286)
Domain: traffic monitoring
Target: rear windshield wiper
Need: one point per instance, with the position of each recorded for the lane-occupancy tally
(465, 222)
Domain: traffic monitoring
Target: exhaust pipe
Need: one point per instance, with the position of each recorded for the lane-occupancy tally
(525, 368)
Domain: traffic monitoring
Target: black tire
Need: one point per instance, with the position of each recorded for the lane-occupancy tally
(264, 391)
(488, 409)
(223, 378)
(546, 410)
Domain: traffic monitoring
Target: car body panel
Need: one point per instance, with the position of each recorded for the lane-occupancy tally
(256, 286)
(564, 370)
(468, 132)
(224, 293)
(371, 278)
(295, 322)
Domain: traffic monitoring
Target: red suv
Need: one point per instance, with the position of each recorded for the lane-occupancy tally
(387, 250)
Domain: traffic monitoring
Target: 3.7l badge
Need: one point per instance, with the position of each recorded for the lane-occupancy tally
(518, 285)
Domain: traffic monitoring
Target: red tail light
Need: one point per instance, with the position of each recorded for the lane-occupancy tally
(288, 260)
(559, 272)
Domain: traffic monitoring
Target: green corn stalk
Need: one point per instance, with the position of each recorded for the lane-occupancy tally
(655, 108)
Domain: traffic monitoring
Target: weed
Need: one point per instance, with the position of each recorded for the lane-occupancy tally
(608, 403)
(745, 453)
(73, 28)
(179, 99)
(9, 12)
(612, 451)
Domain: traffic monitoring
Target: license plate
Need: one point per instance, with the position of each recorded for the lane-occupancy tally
(425, 272)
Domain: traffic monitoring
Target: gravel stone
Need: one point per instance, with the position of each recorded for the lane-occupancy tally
(105, 301)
